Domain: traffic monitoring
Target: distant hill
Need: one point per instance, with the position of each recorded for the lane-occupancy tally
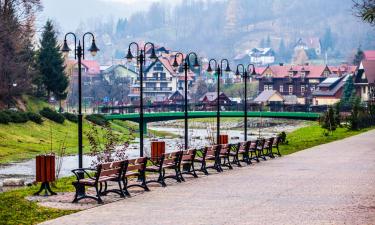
(226, 28)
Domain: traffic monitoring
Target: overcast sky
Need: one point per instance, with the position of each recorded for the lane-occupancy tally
(69, 13)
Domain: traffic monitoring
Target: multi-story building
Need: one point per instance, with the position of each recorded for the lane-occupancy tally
(293, 80)
(364, 80)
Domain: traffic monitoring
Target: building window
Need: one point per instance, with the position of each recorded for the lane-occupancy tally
(270, 87)
(302, 89)
(265, 87)
(281, 89)
(364, 90)
(326, 73)
(290, 74)
(290, 89)
(312, 88)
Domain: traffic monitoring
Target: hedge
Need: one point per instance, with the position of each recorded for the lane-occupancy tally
(71, 117)
(97, 119)
(52, 115)
(36, 118)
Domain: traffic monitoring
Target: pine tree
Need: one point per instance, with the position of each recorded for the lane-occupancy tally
(327, 41)
(348, 92)
(282, 55)
(359, 56)
(268, 42)
(51, 64)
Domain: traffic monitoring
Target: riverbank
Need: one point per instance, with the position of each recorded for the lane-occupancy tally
(19, 142)
(15, 209)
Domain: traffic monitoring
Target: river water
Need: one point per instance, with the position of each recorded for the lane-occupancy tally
(198, 137)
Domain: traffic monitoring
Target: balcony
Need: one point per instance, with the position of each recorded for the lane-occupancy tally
(157, 89)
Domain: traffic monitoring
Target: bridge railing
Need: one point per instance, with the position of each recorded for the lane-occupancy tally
(192, 107)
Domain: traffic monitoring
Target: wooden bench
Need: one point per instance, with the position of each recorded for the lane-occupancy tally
(223, 157)
(275, 144)
(103, 173)
(135, 168)
(252, 146)
(187, 163)
(268, 147)
(240, 149)
(260, 148)
(165, 161)
(209, 153)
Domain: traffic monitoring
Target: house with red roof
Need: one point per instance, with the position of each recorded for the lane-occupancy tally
(364, 80)
(293, 80)
(330, 90)
(90, 71)
(369, 55)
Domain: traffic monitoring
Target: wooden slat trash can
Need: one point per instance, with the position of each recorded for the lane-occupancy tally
(157, 149)
(45, 173)
(223, 139)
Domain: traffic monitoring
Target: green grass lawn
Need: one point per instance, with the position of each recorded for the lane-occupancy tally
(307, 137)
(24, 141)
(15, 209)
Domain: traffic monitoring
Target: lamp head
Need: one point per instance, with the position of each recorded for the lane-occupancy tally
(196, 64)
(129, 56)
(153, 56)
(65, 49)
(227, 69)
(209, 69)
(175, 63)
(93, 49)
(237, 72)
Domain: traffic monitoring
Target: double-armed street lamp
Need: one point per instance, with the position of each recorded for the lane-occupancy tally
(141, 61)
(245, 74)
(187, 64)
(79, 52)
(219, 72)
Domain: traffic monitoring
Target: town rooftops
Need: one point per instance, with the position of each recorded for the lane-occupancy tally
(330, 86)
(368, 66)
(310, 71)
(92, 66)
(269, 95)
(369, 54)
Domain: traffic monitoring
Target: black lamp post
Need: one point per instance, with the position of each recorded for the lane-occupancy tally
(186, 62)
(141, 61)
(245, 74)
(219, 71)
(79, 52)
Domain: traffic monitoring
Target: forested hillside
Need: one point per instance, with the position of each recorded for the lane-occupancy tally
(226, 28)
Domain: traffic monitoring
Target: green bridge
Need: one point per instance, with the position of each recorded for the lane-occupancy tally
(165, 116)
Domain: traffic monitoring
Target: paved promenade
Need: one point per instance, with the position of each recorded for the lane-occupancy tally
(327, 184)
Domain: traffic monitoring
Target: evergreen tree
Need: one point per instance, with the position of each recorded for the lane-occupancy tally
(262, 43)
(282, 55)
(359, 56)
(348, 92)
(327, 40)
(51, 64)
(268, 42)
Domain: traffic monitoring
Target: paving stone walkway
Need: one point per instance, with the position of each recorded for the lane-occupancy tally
(328, 184)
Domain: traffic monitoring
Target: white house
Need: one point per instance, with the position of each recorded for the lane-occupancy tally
(262, 56)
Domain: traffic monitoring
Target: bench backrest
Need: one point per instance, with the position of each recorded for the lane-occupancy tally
(137, 164)
(268, 143)
(111, 168)
(212, 150)
(225, 148)
(276, 141)
(189, 154)
(253, 144)
(172, 157)
(260, 143)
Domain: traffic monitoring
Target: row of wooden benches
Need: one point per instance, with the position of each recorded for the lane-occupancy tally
(182, 162)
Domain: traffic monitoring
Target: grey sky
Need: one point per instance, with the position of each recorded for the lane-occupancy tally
(69, 13)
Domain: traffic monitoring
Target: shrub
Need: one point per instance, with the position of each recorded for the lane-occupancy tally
(17, 117)
(36, 118)
(97, 119)
(282, 136)
(71, 117)
(4, 118)
(52, 115)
